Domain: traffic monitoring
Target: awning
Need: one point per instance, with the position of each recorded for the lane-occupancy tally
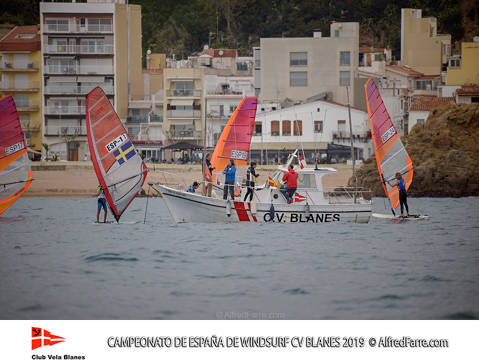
(92, 79)
(65, 79)
(271, 146)
(181, 102)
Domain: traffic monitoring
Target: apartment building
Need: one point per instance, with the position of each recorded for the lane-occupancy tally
(183, 105)
(85, 45)
(422, 48)
(464, 69)
(299, 68)
(20, 76)
(319, 128)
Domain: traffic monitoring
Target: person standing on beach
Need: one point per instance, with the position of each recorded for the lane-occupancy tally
(402, 193)
(230, 174)
(208, 175)
(250, 181)
(101, 204)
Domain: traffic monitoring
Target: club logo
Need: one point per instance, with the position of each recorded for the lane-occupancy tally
(42, 337)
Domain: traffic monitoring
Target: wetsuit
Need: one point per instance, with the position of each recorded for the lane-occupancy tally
(250, 182)
(403, 195)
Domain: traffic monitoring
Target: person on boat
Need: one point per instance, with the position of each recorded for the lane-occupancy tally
(291, 179)
(230, 174)
(402, 193)
(193, 187)
(251, 176)
(209, 175)
(101, 204)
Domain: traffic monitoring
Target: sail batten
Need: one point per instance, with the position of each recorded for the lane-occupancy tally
(391, 155)
(119, 168)
(15, 172)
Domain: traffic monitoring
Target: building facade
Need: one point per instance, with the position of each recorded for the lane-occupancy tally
(85, 45)
(465, 70)
(319, 128)
(20, 76)
(422, 48)
(299, 68)
(183, 107)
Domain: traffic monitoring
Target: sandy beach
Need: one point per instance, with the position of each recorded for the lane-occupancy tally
(78, 179)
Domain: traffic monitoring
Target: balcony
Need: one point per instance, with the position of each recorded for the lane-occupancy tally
(137, 119)
(156, 118)
(76, 90)
(183, 114)
(184, 134)
(67, 131)
(189, 93)
(27, 107)
(33, 87)
(79, 49)
(78, 70)
(344, 135)
(30, 126)
(31, 67)
(64, 110)
(72, 28)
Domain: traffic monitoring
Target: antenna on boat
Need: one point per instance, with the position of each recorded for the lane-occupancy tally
(352, 146)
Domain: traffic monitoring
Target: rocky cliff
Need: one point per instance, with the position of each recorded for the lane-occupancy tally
(445, 154)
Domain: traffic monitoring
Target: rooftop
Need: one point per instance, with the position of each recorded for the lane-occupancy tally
(22, 38)
(221, 53)
(404, 69)
(427, 103)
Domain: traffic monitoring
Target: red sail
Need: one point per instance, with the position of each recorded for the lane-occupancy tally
(15, 172)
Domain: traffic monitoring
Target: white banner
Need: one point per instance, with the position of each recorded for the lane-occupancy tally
(238, 340)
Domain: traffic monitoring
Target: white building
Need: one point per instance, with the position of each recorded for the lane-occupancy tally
(422, 106)
(320, 128)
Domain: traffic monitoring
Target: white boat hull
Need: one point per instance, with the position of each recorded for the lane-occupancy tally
(191, 207)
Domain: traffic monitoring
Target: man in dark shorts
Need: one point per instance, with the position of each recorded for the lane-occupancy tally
(101, 204)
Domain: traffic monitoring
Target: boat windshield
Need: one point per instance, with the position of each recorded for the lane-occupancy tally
(306, 180)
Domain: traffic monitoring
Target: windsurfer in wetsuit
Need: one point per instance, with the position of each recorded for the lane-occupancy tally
(101, 204)
(208, 175)
(251, 176)
(402, 193)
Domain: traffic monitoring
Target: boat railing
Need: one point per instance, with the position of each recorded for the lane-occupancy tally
(340, 195)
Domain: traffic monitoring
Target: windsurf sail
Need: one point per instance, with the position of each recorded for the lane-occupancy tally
(235, 140)
(391, 156)
(15, 172)
(118, 166)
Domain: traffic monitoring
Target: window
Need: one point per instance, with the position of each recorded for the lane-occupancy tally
(420, 121)
(425, 84)
(232, 108)
(455, 62)
(474, 99)
(344, 78)
(21, 81)
(91, 46)
(257, 128)
(242, 66)
(286, 127)
(222, 110)
(318, 126)
(184, 88)
(275, 128)
(298, 78)
(99, 25)
(336, 33)
(344, 58)
(57, 25)
(22, 100)
(341, 125)
(298, 59)
(298, 127)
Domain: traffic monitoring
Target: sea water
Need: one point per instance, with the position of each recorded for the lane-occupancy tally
(56, 263)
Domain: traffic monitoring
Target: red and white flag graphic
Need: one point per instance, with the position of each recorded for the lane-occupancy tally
(42, 337)
(299, 198)
(302, 162)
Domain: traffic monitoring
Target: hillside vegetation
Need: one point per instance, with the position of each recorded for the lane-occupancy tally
(445, 154)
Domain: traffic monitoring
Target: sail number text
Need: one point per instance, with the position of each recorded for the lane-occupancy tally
(14, 148)
(239, 154)
(388, 134)
(116, 143)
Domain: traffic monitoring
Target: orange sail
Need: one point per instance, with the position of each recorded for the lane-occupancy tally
(391, 156)
(235, 140)
(15, 172)
(119, 168)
